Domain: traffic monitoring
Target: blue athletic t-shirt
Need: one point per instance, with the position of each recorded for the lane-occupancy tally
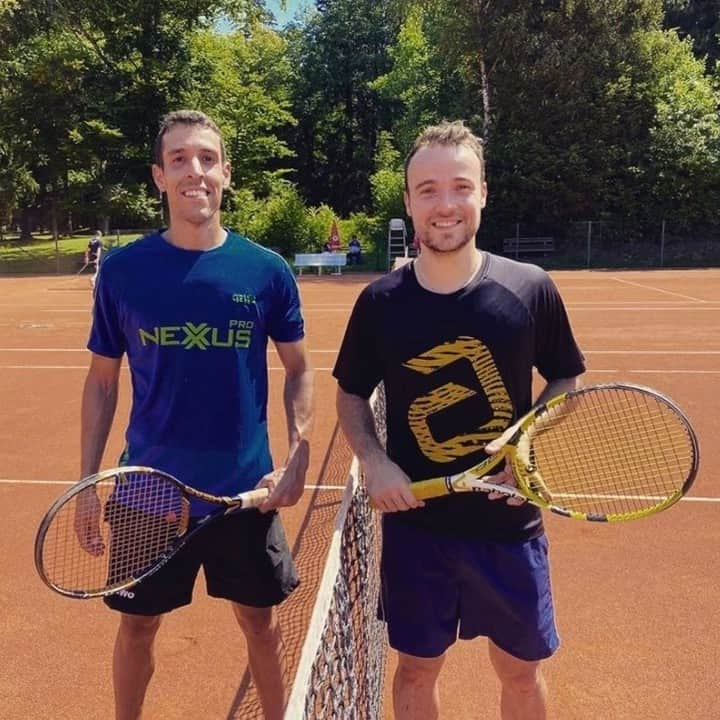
(195, 325)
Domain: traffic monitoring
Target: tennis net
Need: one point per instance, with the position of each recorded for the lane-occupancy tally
(342, 664)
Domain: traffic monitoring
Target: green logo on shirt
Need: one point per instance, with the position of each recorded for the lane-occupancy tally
(199, 337)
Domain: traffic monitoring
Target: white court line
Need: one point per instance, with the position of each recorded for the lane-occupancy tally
(660, 290)
(328, 369)
(305, 309)
(653, 372)
(626, 305)
(278, 368)
(13, 481)
(333, 352)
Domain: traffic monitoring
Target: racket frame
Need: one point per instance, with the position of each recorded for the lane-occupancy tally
(530, 485)
(231, 503)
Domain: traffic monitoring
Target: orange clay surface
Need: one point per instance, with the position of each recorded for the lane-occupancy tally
(636, 603)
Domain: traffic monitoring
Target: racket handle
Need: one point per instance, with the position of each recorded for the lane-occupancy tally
(254, 498)
(435, 487)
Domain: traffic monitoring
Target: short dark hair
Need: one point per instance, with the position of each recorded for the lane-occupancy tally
(449, 134)
(184, 117)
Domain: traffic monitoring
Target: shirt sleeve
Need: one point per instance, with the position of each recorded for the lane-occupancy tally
(285, 320)
(106, 335)
(557, 354)
(358, 368)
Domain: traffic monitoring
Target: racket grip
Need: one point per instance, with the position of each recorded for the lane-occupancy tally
(435, 487)
(254, 498)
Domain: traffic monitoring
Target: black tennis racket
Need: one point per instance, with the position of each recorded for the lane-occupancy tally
(605, 453)
(113, 529)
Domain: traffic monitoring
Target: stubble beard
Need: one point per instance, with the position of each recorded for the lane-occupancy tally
(439, 246)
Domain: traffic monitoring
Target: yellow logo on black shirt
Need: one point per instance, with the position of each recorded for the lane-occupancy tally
(443, 397)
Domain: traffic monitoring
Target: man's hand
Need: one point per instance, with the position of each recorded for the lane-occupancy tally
(87, 522)
(505, 476)
(388, 486)
(286, 484)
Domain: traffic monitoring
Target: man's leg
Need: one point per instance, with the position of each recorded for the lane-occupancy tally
(133, 663)
(415, 687)
(524, 695)
(266, 656)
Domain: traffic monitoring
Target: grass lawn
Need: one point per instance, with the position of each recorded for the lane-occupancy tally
(42, 256)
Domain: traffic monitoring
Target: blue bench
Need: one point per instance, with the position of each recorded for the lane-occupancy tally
(335, 260)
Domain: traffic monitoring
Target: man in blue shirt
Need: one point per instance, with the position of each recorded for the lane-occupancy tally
(193, 306)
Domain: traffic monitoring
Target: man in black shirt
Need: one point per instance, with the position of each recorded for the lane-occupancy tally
(455, 336)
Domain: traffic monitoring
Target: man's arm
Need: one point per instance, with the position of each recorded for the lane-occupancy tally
(99, 401)
(387, 484)
(288, 482)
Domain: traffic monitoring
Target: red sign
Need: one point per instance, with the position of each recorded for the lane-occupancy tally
(334, 241)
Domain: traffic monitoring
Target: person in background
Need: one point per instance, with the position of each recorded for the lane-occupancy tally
(354, 254)
(93, 253)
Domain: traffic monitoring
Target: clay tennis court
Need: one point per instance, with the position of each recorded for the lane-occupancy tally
(636, 602)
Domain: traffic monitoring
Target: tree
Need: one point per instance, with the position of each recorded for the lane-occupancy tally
(242, 81)
(700, 21)
(337, 54)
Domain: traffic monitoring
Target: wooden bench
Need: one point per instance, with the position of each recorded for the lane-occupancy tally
(523, 245)
(335, 260)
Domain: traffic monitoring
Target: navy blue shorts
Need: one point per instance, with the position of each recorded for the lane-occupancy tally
(438, 588)
(244, 556)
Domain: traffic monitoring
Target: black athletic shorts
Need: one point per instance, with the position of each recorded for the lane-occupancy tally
(244, 556)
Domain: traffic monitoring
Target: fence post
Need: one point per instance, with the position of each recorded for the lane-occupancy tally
(589, 241)
(662, 244)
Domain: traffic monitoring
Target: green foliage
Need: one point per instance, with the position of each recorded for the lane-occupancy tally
(683, 163)
(589, 109)
(336, 55)
(281, 222)
(241, 81)
(700, 21)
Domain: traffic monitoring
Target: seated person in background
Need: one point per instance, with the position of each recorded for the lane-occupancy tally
(327, 247)
(354, 256)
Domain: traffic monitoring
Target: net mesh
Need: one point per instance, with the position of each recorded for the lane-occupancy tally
(342, 665)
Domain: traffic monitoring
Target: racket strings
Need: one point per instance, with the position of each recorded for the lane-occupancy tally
(113, 531)
(612, 451)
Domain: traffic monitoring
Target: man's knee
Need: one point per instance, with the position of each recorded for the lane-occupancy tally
(419, 670)
(521, 676)
(139, 628)
(255, 621)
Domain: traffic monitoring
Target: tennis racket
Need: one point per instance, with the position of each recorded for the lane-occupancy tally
(113, 529)
(604, 453)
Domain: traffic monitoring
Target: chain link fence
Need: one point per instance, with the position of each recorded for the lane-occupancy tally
(584, 244)
(606, 244)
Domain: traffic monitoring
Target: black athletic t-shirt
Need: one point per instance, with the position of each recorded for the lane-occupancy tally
(457, 370)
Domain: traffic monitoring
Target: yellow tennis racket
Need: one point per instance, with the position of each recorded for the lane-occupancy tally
(604, 453)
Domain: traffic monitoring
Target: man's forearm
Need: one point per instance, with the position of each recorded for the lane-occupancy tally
(557, 387)
(357, 422)
(98, 409)
(298, 400)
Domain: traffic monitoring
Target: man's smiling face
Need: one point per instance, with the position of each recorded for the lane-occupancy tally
(193, 174)
(445, 196)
